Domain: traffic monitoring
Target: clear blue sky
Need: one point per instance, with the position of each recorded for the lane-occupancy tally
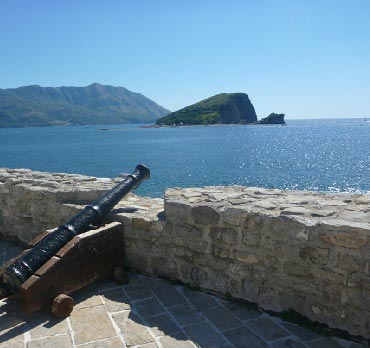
(305, 58)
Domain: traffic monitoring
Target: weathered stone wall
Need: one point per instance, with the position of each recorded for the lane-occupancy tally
(31, 201)
(281, 249)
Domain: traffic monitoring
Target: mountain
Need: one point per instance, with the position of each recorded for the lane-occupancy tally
(221, 108)
(272, 119)
(94, 104)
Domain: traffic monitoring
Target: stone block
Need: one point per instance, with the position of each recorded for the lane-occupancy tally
(250, 290)
(222, 318)
(204, 215)
(149, 307)
(199, 276)
(115, 300)
(178, 340)
(185, 314)
(296, 269)
(267, 298)
(197, 246)
(62, 341)
(301, 332)
(162, 325)
(169, 296)
(199, 300)
(315, 255)
(347, 262)
(133, 329)
(267, 329)
(243, 337)
(164, 266)
(226, 235)
(248, 258)
(251, 237)
(177, 211)
(344, 236)
(188, 231)
(289, 342)
(221, 252)
(109, 343)
(138, 292)
(91, 324)
(205, 335)
(141, 224)
(42, 327)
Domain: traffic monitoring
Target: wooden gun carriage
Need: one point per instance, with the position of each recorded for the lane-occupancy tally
(65, 259)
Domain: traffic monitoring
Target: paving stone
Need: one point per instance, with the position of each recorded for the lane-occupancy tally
(86, 297)
(62, 341)
(169, 296)
(162, 325)
(176, 341)
(12, 337)
(204, 335)
(149, 345)
(115, 300)
(149, 307)
(200, 300)
(43, 326)
(267, 329)
(222, 318)
(325, 342)
(288, 343)
(134, 279)
(10, 318)
(300, 331)
(105, 284)
(186, 314)
(114, 342)
(91, 324)
(241, 311)
(133, 329)
(243, 337)
(138, 292)
(152, 283)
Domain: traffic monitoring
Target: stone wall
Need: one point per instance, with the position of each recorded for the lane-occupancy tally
(31, 201)
(283, 250)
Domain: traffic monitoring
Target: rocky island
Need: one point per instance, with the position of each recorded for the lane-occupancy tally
(224, 108)
(272, 119)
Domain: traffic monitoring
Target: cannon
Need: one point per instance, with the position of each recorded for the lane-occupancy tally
(70, 256)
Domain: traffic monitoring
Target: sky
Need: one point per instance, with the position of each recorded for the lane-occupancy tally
(304, 58)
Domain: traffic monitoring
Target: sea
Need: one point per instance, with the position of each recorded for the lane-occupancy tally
(330, 155)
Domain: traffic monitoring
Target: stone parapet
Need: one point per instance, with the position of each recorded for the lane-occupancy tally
(31, 201)
(304, 251)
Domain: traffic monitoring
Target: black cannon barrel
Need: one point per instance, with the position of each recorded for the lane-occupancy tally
(20, 270)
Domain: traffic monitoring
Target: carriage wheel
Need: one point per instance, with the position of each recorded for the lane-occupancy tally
(62, 306)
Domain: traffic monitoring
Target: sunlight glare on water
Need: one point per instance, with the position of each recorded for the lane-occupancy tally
(320, 155)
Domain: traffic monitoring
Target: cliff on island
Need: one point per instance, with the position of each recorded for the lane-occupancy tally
(32, 106)
(272, 119)
(224, 108)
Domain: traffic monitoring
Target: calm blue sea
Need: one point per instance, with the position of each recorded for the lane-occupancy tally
(320, 155)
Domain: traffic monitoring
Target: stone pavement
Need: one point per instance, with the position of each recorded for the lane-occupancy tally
(152, 313)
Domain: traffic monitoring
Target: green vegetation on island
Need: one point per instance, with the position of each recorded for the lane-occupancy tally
(95, 104)
(224, 108)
